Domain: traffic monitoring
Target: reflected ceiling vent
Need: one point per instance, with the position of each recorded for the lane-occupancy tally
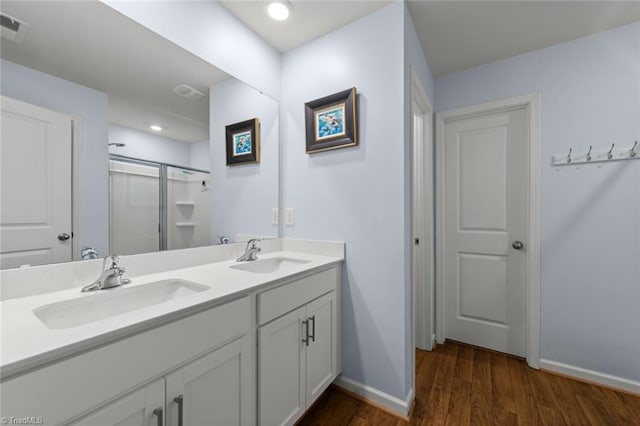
(188, 92)
(12, 28)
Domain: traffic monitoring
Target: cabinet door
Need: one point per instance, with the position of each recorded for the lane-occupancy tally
(213, 390)
(281, 398)
(135, 409)
(321, 354)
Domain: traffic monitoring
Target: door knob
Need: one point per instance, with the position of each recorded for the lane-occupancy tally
(64, 236)
(517, 245)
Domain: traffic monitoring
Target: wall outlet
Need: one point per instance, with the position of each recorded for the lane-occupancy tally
(275, 216)
(291, 216)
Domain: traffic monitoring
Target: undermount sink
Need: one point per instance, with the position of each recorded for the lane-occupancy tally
(109, 303)
(267, 266)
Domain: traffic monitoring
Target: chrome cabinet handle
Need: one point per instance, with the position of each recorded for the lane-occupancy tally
(158, 413)
(517, 245)
(305, 340)
(313, 328)
(180, 401)
(64, 236)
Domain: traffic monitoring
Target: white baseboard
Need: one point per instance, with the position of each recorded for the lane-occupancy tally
(372, 394)
(591, 376)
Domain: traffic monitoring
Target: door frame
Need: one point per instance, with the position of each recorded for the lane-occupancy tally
(532, 104)
(76, 167)
(422, 215)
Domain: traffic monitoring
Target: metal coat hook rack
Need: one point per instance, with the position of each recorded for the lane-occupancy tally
(590, 156)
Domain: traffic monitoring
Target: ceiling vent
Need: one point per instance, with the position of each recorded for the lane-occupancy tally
(12, 29)
(188, 92)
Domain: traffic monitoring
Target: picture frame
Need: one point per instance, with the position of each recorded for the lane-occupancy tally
(243, 142)
(332, 121)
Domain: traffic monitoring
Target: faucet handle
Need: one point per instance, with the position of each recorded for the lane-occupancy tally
(252, 243)
(111, 262)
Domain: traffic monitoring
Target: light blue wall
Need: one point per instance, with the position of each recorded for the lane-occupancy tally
(243, 195)
(146, 146)
(416, 62)
(199, 154)
(208, 30)
(590, 215)
(356, 194)
(90, 106)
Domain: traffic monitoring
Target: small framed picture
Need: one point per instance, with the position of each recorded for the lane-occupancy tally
(332, 121)
(243, 142)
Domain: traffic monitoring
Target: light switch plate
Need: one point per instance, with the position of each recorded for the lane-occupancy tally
(291, 216)
(275, 216)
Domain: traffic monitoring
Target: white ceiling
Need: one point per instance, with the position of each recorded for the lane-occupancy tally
(93, 45)
(309, 19)
(455, 35)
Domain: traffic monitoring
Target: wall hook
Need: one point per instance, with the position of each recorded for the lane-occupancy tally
(569, 156)
(633, 149)
(610, 153)
(589, 153)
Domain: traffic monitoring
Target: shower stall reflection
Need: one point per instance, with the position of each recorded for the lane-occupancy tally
(155, 206)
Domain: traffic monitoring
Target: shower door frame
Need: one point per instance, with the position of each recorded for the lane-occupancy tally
(162, 188)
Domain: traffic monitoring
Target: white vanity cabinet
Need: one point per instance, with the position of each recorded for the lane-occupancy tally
(144, 407)
(206, 357)
(298, 351)
(213, 390)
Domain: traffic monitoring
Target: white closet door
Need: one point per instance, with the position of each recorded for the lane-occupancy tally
(35, 177)
(486, 172)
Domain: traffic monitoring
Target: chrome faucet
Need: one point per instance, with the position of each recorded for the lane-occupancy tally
(251, 252)
(111, 275)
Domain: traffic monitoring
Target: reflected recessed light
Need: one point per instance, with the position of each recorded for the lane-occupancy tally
(155, 128)
(279, 10)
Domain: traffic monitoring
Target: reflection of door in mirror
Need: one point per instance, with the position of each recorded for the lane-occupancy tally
(35, 173)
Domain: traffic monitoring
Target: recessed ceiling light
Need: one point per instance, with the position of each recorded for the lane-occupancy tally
(279, 10)
(155, 128)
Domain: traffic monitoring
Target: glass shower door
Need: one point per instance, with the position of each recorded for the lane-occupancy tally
(134, 207)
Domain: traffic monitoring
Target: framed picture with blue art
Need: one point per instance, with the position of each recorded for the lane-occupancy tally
(243, 142)
(332, 121)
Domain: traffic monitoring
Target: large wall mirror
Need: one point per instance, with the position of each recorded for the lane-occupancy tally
(114, 140)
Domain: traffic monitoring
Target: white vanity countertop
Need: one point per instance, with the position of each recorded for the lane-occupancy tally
(27, 343)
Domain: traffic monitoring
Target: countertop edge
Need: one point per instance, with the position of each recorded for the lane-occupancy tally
(26, 365)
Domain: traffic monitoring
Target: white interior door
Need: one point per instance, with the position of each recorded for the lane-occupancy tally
(486, 174)
(35, 176)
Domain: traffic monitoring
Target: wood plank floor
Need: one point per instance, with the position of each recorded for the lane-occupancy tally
(462, 385)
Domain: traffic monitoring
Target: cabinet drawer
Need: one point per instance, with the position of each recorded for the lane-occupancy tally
(285, 298)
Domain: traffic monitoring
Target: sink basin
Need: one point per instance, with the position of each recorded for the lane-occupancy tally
(109, 303)
(268, 266)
